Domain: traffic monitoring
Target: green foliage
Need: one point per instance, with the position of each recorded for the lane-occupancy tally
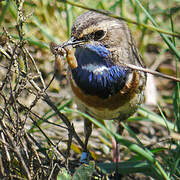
(63, 175)
(84, 171)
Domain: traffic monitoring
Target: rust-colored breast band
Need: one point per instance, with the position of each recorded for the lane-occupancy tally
(112, 102)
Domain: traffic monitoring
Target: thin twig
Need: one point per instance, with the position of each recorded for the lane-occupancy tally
(131, 66)
(40, 118)
(19, 156)
(64, 119)
(36, 67)
(55, 51)
(152, 28)
(49, 141)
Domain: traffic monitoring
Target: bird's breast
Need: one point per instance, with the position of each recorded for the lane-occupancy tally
(111, 102)
(102, 88)
(96, 75)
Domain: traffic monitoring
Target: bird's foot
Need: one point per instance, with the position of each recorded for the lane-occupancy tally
(85, 157)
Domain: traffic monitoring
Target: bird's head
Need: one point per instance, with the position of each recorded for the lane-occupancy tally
(94, 30)
(102, 45)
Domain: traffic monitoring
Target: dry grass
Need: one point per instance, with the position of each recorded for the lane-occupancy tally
(40, 131)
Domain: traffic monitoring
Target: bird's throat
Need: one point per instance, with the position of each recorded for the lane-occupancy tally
(96, 75)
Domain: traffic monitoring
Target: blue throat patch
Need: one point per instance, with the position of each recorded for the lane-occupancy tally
(95, 75)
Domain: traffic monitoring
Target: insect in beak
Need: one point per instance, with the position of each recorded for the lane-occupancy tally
(67, 49)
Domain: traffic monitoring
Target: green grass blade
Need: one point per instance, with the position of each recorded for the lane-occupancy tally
(151, 116)
(68, 19)
(131, 146)
(133, 135)
(164, 118)
(4, 11)
(165, 37)
(48, 115)
(43, 29)
(128, 167)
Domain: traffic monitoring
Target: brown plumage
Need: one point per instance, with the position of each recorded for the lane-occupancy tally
(102, 85)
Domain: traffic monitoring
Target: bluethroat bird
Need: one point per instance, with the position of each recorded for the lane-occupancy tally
(102, 85)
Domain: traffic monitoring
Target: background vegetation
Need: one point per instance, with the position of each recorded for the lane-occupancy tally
(41, 131)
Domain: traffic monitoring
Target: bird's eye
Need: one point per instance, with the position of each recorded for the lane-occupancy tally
(98, 35)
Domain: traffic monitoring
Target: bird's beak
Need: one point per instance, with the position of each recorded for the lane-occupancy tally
(72, 42)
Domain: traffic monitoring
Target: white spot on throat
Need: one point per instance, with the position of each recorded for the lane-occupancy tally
(100, 69)
(95, 68)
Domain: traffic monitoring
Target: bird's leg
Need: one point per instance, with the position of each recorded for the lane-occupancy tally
(119, 130)
(87, 130)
